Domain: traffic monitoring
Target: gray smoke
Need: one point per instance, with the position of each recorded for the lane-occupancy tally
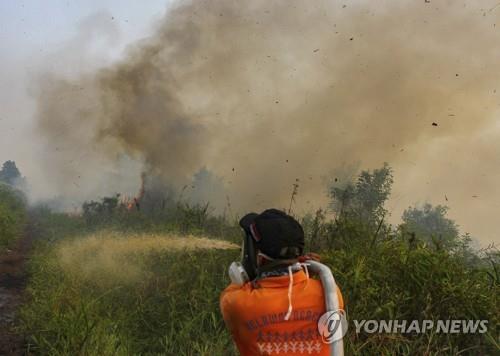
(263, 93)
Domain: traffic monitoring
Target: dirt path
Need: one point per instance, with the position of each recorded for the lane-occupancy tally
(13, 279)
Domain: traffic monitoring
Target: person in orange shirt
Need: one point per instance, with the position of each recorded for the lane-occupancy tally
(277, 311)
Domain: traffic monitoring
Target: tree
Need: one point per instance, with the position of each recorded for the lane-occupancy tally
(206, 187)
(9, 173)
(431, 225)
(363, 199)
(100, 211)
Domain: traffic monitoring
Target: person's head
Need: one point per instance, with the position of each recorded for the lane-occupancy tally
(275, 234)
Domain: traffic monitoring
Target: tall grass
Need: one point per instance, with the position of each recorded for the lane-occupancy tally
(393, 281)
(178, 217)
(114, 294)
(12, 215)
(120, 292)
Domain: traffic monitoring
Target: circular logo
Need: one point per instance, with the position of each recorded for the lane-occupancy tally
(332, 326)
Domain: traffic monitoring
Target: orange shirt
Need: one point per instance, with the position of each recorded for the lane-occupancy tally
(255, 316)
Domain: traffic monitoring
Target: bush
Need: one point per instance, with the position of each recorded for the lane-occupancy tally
(12, 214)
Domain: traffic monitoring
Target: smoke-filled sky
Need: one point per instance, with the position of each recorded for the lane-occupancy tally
(260, 93)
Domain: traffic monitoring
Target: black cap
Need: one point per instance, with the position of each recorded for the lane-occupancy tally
(276, 234)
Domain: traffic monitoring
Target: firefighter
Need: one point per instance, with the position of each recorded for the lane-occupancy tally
(276, 312)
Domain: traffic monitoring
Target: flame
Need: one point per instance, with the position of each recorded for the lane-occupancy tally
(135, 202)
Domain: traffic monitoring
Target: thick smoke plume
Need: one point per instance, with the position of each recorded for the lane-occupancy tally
(262, 93)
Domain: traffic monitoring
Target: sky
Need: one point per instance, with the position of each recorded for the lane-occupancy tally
(454, 164)
(31, 32)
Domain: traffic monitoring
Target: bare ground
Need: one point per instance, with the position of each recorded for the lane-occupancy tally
(13, 279)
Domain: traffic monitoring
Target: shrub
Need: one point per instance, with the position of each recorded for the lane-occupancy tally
(12, 214)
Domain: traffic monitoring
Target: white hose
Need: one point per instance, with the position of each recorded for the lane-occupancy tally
(331, 299)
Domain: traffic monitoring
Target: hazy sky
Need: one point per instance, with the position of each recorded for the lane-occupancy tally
(31, 32)
(442, 46)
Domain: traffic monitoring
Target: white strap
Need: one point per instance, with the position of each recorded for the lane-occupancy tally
(290, 288)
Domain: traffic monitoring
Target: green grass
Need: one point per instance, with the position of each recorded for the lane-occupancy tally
(158, 301)
(12, 215)
(392, 281)
(104, 292)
